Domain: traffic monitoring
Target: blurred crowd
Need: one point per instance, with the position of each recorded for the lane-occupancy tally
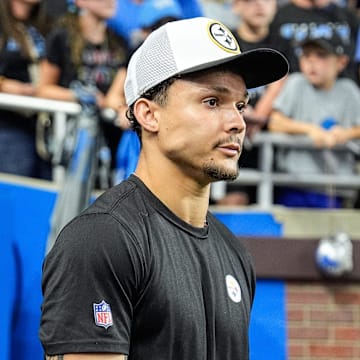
(71, 49)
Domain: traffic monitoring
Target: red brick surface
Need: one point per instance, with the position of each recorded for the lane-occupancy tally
(323, 321)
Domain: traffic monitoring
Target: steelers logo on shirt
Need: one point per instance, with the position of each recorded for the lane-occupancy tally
(233, 288)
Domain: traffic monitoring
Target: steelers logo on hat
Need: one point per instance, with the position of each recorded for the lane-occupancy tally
(223, 37)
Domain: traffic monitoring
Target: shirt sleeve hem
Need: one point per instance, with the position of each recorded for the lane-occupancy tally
(95, 347)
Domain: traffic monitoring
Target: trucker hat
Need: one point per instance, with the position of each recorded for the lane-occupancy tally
(185, 46)
(333, 44)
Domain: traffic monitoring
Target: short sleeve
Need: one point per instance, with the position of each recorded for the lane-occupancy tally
(57, 48)
(90, 283)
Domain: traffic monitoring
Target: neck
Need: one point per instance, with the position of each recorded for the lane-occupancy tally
(93, 29)
(185, 197)
(21, 10)
(251, 33)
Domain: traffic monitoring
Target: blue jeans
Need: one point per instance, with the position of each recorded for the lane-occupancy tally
(18, 154)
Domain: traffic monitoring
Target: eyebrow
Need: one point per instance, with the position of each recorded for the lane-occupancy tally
(225, 90)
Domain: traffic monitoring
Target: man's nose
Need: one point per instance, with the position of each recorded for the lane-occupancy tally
(235, 120)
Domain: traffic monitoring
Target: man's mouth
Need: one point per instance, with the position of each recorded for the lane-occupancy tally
(230, 149)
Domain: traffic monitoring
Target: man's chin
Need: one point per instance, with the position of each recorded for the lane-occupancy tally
(221, 174)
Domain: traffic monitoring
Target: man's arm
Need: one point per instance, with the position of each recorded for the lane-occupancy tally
(87, 357)
(281, 123)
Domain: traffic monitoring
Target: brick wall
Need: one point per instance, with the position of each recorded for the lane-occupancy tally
(323, 321)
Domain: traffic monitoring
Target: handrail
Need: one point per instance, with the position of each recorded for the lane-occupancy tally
(264, 178)
(19, 102)
(59, 109)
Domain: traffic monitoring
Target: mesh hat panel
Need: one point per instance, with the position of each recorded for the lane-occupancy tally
(159, 67)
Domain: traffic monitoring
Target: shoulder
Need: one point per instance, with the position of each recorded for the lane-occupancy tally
(236, 247)
(347, 83)
(110, 227)
(118, 213)
(295, 80)
(117, 38)
(347, 86)
(229, 237)
(285, 10)
(57, 35)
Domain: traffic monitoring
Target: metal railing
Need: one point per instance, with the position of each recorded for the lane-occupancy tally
(59, 109)
(263, 178)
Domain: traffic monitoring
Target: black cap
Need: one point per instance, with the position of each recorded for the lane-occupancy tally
(333, 44)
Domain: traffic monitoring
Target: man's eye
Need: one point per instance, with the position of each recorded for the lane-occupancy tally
(241, 107)
(211, 102)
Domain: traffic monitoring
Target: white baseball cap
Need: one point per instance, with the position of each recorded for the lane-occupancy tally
(186, 46)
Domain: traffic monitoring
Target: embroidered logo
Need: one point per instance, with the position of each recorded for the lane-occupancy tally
(223, 38)
(102, 314)
(233, 288)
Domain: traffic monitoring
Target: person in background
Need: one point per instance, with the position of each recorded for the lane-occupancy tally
(56, 8)
(251, 32)
(147, 271)
(153, 14)
(222, 10)
(319, 104)
(298, 19)
(81, 49)
(125, 21)
(22, 45)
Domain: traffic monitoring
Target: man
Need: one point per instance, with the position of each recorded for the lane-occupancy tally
(147, 272)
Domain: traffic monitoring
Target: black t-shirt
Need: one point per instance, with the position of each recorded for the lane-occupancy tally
(293, 24)
(14, 65)
(128, 276)
(99, 65)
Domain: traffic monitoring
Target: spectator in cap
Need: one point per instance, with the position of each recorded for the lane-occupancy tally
(317, 103)
(296, 20)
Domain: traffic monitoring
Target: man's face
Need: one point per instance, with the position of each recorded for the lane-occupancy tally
(202, 128)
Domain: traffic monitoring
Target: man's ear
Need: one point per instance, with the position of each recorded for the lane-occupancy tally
(145, 113)
(343, 61)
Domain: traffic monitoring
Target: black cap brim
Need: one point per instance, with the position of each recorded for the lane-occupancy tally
(260, 67)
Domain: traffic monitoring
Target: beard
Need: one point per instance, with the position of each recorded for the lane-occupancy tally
(219, 173)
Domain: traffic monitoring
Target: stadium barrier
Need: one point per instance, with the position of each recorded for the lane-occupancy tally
(264, 178)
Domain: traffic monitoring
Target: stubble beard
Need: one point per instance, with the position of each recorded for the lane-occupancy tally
(219, 173)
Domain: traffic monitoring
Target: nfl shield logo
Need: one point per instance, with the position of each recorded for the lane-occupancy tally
(102, 314)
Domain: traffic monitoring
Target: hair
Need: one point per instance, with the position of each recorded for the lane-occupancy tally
(70, 21)
(10, 27)
(158, 94)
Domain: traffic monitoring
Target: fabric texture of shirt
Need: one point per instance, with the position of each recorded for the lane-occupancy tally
(168, 290)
